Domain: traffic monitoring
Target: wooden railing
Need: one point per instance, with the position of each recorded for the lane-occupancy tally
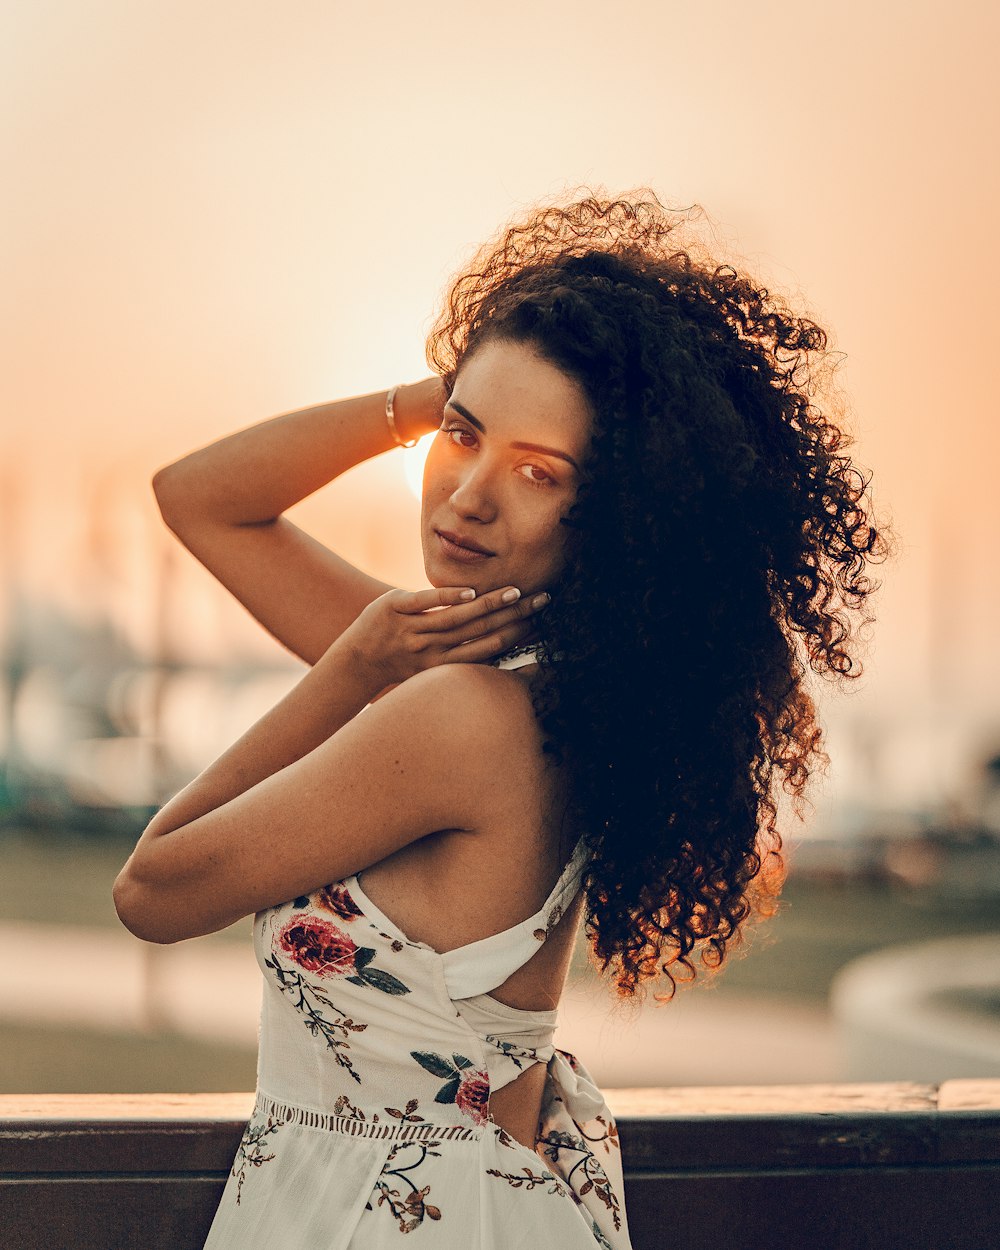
(831, 1167)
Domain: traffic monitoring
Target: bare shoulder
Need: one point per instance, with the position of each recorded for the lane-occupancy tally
(482, 706)
(477, 723)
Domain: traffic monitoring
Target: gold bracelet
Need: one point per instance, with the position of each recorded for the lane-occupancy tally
(390, 416)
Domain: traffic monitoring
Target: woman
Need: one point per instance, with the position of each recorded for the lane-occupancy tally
(632, 430)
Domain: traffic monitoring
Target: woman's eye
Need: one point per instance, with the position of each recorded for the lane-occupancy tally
(455, 429)
(546, 480)
(534, 468)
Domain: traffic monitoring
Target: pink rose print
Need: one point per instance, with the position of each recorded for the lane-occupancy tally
(336, 898)
(472, 1096)
(467, 1087)
(318, 946)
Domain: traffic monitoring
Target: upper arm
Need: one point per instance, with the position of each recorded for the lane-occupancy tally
(421, 759)
(303, 593)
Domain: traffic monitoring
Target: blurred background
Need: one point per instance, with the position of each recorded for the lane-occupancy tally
(216, 213)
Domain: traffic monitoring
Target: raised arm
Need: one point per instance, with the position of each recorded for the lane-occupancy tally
(225, 503)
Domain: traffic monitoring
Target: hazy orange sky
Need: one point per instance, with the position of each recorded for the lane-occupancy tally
(217, 212)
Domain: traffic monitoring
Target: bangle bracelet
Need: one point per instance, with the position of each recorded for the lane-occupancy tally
(390, 417)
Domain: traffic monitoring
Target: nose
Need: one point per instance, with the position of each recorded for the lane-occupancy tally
(474, 496)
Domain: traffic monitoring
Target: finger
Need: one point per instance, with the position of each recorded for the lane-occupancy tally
(500, 621)
(416, 601)
(461, 614)
(488, 648)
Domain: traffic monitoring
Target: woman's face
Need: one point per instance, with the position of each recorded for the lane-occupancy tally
(484, 486)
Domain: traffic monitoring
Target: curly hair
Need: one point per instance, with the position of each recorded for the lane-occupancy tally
(716, 549)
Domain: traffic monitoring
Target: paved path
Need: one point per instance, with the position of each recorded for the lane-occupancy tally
(103, 980)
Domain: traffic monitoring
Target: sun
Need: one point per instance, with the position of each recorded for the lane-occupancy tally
(413, 463)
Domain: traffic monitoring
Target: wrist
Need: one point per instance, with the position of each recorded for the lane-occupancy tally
(418, 407)
(347, 655)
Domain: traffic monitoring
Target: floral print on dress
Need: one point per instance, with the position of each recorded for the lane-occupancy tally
(520, 1056)
(314, 1006)
(321, 948)
(336, 898)
(529, 1179)
(585, 1173)
(251, 1153)
(411, 1210)
(409, 1142)
(344, 1107)
(467, 1087)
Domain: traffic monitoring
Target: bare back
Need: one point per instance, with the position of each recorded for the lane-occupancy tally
(458, 886)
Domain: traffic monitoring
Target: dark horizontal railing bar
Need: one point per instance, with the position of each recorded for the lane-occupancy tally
(805, 1140)
(672, 1174)
(648, 1143)
(839, 1209)
(53, 1146)
(896, 1166)
(56, 1178)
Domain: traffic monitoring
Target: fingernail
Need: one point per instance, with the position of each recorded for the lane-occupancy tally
(540, 601)
(467, 594)
(509, 596)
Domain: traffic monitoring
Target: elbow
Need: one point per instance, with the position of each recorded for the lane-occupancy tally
(134, 907)
(164, 483)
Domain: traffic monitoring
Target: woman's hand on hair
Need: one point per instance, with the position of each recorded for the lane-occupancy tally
(403, 632)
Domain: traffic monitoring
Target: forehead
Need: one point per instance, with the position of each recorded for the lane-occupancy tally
(517, 395)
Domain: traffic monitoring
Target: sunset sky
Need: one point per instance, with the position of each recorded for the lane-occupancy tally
(218, 212)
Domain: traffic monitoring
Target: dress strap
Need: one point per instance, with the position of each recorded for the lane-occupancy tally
(517, 657)
(479, 967)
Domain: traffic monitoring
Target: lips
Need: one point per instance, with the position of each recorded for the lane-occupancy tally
(454, 550)
(466, 544)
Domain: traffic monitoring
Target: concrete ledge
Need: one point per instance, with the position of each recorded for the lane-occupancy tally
(890, 1166)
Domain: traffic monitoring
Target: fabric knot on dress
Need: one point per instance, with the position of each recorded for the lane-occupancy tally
(582, 1098)
(520, 1056)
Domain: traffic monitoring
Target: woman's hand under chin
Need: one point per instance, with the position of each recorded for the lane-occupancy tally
(403, 632)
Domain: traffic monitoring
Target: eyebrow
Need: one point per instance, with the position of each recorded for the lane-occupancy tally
(550, 451)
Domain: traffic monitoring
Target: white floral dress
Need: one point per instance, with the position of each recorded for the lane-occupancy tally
(377, 1057)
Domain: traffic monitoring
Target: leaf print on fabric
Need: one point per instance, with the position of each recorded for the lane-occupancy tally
(250, 1153)
(592, 1176)
(344, 1107)
(599, 1237)
(609, 1137)
(468, 1089)
(376, 977)
(304, 997)
(411, 1210)
(530, 1180)
(516, 1054)
(407, 1116)
(321, 948)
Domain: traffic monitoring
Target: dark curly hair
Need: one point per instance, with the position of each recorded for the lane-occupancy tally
(716, 548)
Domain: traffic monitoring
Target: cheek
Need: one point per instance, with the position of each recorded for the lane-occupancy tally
(542, 533)
(436, 477)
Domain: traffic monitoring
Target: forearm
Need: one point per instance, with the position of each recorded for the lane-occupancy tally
(334, 691)
(257, 473)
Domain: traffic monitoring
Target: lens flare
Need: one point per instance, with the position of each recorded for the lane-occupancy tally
(413, 464)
